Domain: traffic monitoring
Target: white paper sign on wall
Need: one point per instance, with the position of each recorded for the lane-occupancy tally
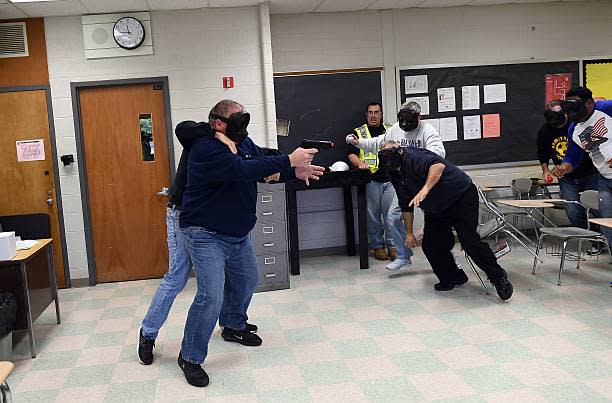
(30, 150)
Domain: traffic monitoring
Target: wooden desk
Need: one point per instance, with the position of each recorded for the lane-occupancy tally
(606, 222)
(345, 180)
(35, 290)
(538, 203)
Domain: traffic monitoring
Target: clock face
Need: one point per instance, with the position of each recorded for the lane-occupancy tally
(128, 33)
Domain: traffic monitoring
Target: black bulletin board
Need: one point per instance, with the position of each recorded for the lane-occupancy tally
(520, 116)
(324, 107)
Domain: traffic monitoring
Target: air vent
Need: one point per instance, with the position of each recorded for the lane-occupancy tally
(13, 40)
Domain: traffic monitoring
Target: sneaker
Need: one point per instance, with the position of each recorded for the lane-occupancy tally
(596, 249)
(399, 263)
(194, 373)
(392, 254)
(447, 286)
(380, 254)
(501, 248)
(145, 349)
(503, 287)
(249, 327)
(243, 337)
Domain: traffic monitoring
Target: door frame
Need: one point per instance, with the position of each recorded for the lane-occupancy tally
(75, 87)
(56, 174)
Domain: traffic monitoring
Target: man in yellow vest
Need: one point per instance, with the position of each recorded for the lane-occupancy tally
(380, 192)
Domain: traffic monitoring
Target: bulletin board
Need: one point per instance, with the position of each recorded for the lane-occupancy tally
(324, 106)
(517, 94)
(598, 77)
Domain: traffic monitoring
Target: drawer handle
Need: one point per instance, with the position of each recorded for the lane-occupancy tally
(270, 260)
(267, 245)
(266, 213)
(266, 199)
(268, 230)
(270, 275)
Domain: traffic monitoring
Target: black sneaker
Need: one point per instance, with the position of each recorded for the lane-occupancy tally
(194, 373)
(447, 286)
(145, 349)
(243, 337)
(249, 327)
(504, 288)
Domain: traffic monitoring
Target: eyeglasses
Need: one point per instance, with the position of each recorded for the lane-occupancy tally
(374, 112)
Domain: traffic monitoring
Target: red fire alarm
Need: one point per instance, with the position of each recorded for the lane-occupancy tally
(228, 82)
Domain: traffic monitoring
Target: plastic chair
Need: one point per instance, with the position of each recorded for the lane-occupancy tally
(589, 200)
(5, 392)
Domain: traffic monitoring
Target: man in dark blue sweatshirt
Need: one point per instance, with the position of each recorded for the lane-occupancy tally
(449, 200)
(218, 214)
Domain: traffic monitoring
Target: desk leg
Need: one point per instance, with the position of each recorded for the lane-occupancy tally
(362, 217)
(349, 221)
(24, 281)
(51, 264)
(292, 223)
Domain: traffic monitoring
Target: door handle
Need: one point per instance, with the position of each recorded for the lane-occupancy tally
(50, 202)
(163, 192)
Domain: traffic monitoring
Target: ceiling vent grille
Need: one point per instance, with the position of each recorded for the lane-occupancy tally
(13, 40)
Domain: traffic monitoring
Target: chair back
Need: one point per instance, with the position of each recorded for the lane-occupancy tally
(498, 221)
(590, 199)
(522, 186)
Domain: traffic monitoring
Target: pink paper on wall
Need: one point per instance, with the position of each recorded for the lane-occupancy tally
(490, 125)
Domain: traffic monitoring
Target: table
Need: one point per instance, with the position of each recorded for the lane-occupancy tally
(532, 204)
(345, 180)
(36, 289)
(606, 222)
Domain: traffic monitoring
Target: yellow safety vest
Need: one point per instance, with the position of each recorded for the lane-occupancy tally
(370, 158)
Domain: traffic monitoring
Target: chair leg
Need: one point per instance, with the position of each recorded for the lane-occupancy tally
(520, 233)
(536, 258)
(484, 287)
(511, 234)
(579, 253)
(562, 261)
(5, 393)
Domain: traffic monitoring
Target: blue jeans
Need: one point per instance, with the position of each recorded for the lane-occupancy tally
(179, 267)
(605, 205)
(397, 229)
(570, 190)
(215, 258)
(380, 196)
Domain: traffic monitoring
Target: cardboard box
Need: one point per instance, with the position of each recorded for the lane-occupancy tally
(8, 245)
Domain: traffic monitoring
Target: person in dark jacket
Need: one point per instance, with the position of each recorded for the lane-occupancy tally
(218, 212)
(449, 200)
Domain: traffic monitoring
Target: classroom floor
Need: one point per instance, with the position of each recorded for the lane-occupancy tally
(344, 335)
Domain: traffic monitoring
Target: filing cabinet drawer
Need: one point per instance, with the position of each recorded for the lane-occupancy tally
(273, 268)
(271, 206)
(270, 187)
(267, 238)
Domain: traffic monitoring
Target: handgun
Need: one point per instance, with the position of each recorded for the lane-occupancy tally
(318, 144)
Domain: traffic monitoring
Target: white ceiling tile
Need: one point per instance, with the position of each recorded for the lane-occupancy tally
(293, 6)
(330, 6)
(233, 3)
(53, 8)
(114, 6)
(443, 3)
(8, 11)
(176, 4)
(390, 4)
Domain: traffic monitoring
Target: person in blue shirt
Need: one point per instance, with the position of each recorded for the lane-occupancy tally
(218, 212)
(590, 131)
(449, 200)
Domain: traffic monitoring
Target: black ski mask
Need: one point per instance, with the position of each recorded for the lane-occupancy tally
(408, 120)
(575, 109)
(390, 159)
(236, 125)
(554, 117)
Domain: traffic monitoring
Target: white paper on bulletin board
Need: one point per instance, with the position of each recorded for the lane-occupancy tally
(494, 93)
(446, 99)
(434, 122)
(423, 102)
(471, 127)
(415, 85)
(448, 129)
(30, 150)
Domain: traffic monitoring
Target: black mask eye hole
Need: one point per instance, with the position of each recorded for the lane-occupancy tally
(571, 105)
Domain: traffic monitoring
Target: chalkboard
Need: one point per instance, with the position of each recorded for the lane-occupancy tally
(325, 107)
(520, 116)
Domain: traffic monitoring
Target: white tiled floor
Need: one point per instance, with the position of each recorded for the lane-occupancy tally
(341, 334)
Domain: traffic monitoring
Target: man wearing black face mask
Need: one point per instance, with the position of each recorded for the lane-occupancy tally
(218, 214)
(590, 131)
(449, 200)
(552, 144)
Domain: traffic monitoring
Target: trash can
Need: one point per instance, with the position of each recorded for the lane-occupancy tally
(8, 313)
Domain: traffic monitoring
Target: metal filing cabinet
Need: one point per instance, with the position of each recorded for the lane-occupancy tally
(269, 237)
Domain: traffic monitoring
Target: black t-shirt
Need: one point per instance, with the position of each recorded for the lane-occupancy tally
(415, 168)
(379, 175)
(552, 144)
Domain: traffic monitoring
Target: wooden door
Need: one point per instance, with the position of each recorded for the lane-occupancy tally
(28, 186)
(124, 173)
